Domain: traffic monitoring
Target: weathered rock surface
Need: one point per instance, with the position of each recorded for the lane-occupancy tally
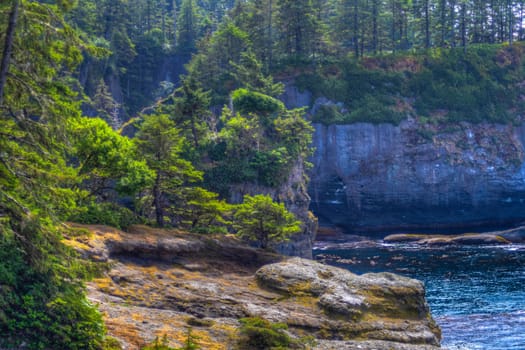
(418, 176)
(161, 282)
(516, 235)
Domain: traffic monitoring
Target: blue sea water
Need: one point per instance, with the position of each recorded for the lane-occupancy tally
(476, 293)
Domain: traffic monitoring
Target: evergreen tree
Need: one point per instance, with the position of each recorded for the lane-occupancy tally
(260, 219)
(299, 28)
(191, 109)
(42, 304)
(187, 25)
(160, 143)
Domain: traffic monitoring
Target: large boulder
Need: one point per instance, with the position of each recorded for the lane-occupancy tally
(379, 306)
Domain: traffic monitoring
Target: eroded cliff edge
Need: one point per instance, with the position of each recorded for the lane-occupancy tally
(418, 176)
(160, 282)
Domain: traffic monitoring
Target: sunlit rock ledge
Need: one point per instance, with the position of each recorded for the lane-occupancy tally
(516, 235)
(160, 282)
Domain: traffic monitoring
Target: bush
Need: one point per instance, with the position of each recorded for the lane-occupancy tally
(245, 101)
(376, 111)
(109, 214)
(479, 85)
(329, 114)
(260, 334)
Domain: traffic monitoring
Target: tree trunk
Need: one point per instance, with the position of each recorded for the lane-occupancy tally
(356, 28)
(464, 26)
(157, 202)
(427, 25)
(194, 132)
(8, 47)
(452, 23)
(270, 35)
(375, 14)
(443, 18)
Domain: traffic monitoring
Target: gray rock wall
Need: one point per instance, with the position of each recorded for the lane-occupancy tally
(389, 178)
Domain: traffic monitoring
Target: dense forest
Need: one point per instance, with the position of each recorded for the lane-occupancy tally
(149, 111)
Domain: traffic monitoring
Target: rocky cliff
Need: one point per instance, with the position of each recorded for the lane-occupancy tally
(418, 176)
(160, 282)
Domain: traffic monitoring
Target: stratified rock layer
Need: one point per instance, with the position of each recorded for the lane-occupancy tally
(161, 282)
(418, 176)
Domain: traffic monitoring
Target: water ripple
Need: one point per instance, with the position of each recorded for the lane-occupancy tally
(476, 294)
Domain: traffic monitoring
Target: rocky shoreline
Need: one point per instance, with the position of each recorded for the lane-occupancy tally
(160, 283)
(516, 235)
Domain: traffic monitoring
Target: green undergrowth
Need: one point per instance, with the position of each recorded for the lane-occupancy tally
(479, 84)
(42, 300)
(259, 334)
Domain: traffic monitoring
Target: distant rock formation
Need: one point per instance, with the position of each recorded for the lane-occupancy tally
(416, 176)
(516, 235)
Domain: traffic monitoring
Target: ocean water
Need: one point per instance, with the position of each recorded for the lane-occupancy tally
(476, 293)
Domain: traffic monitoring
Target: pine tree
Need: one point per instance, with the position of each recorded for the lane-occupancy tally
(259, 218)
(187, 26)
(160, 143)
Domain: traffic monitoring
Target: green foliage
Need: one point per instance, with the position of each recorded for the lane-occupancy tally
(160, 144)
(375, 111)
(187, 26)
(250, 72)
(104, 157)
(271, 166)
(203, 212)
(245, 101)
(261, 334)
(106, 213)
(255, 148)
(294, 132)
(241, 135)
(45, 306)
(42, 299)
(477, 84)
(261, 219)
(191, 110)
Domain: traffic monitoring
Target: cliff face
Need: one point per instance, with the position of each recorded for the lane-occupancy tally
(418, 176)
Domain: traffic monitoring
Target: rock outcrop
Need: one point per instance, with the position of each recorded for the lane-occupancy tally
(464, 239)
(516, 235)
(418, 176)
(162, 282)
(294, 194)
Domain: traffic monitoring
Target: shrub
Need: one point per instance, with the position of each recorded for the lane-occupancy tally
(261, 334)
(245, 101)
(109, 214)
